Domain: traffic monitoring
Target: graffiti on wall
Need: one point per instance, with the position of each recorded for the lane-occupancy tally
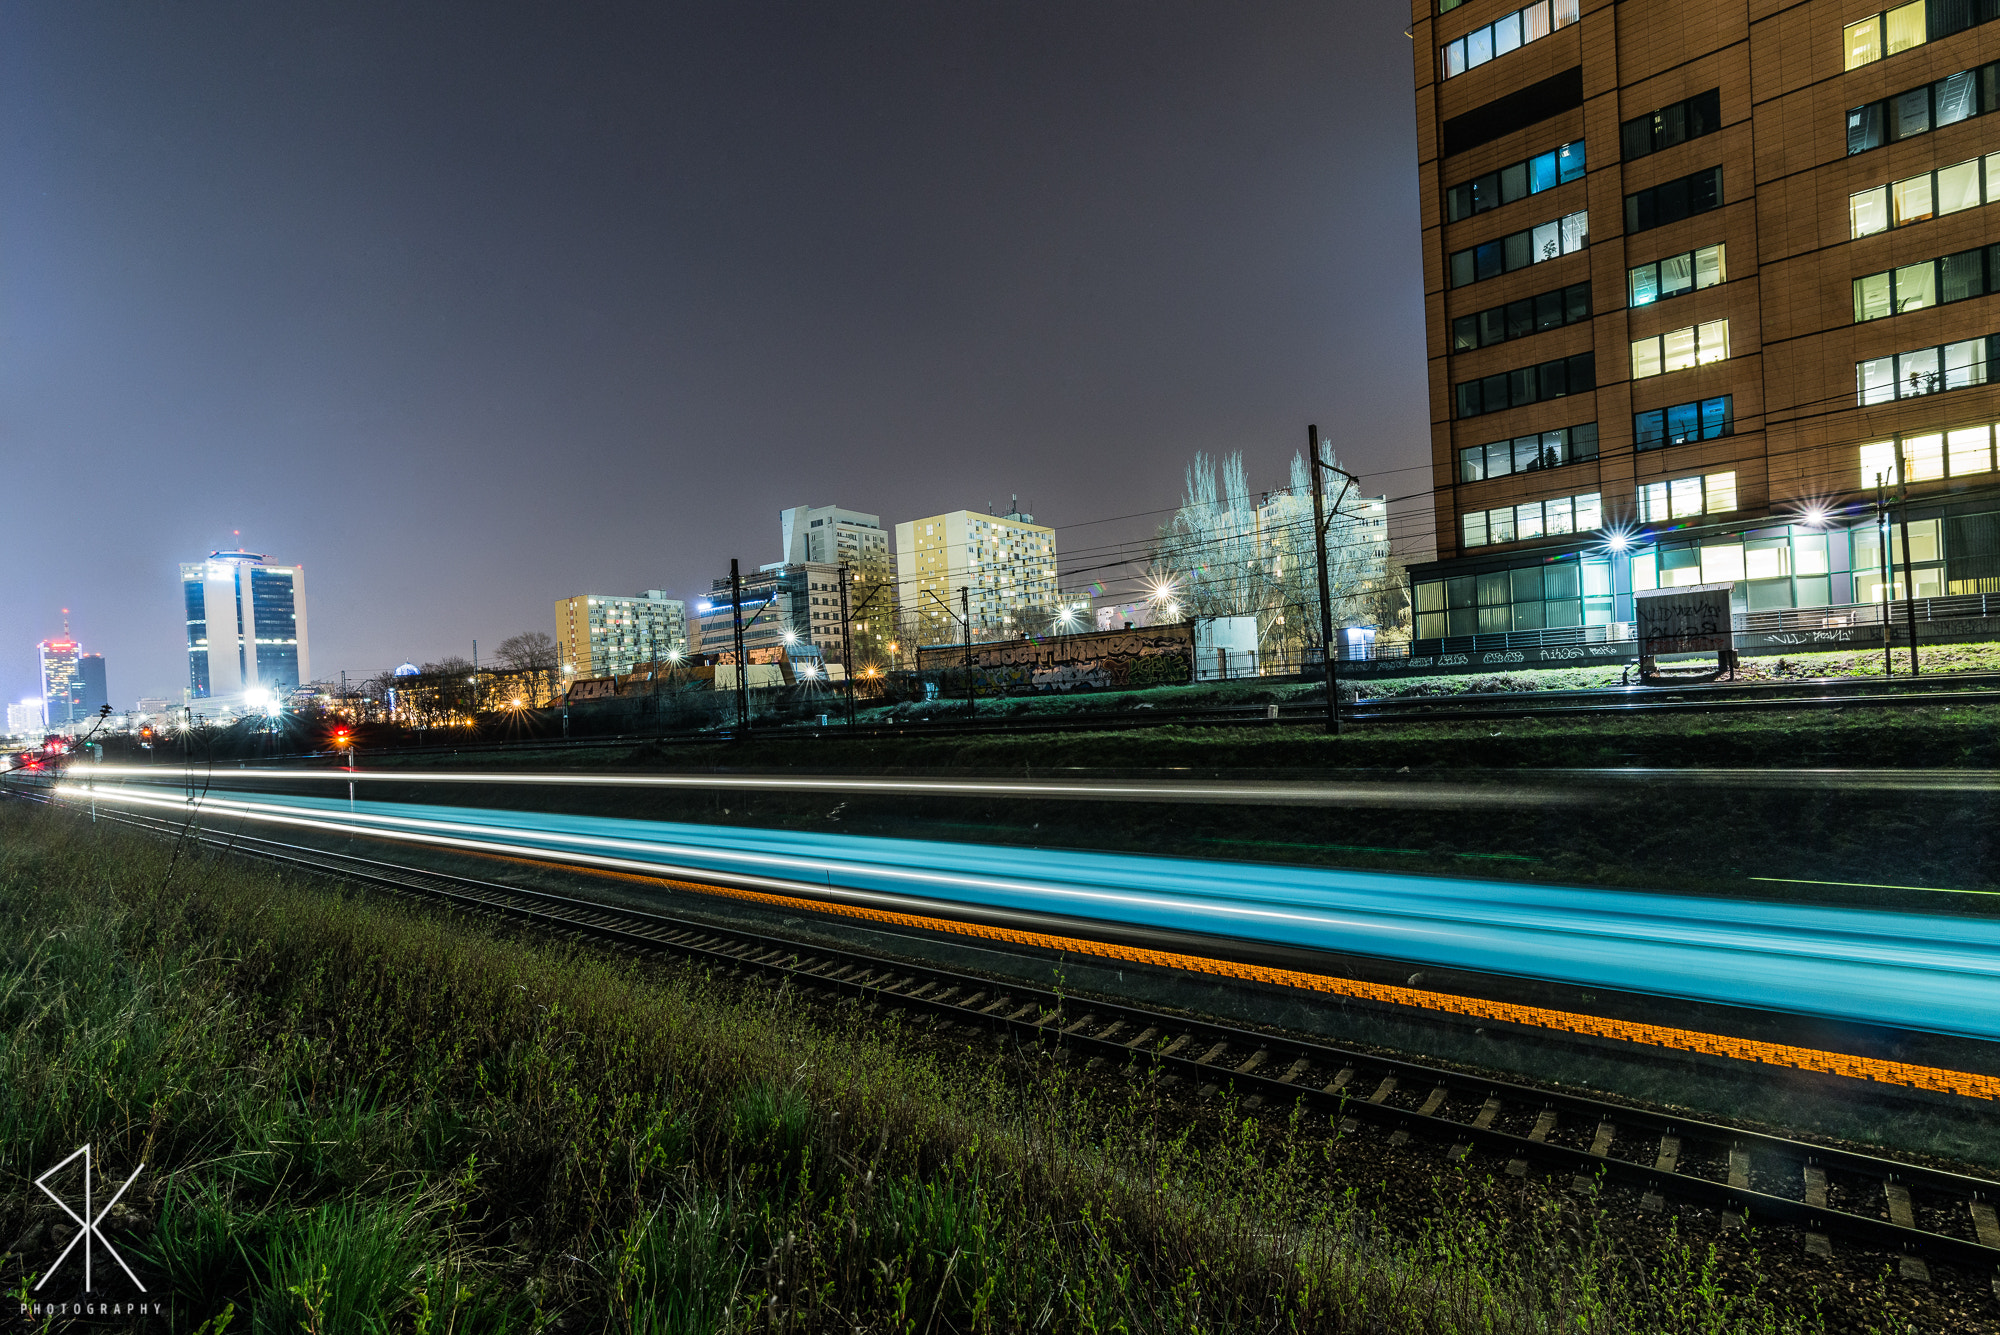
(1145, 656)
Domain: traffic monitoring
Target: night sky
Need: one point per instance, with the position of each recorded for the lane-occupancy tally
(471, 308)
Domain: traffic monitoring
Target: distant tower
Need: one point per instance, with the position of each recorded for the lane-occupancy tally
(62, 683)
(90, 678)
(246, 625)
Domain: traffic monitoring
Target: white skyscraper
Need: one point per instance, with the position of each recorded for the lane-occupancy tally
(246, 626)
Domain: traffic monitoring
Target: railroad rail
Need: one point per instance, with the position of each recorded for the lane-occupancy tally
(1920, 1213)
(1867, 693)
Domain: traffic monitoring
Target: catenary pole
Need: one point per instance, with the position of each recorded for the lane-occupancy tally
(846, 644)
(1322, 513)
(965, 617)
(742, 668)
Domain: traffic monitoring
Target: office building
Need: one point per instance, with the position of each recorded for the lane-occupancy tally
(829, 535)
(246, 626)
(604, 635)
(1002, 568)
(791, 613)
(1697, 277)
(90, 684)
(62, 682)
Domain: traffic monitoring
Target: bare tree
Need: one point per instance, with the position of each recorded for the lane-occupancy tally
(530, 651)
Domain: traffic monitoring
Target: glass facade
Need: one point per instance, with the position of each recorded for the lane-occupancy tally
(197, 636)
(276, 628)
(1777, 568)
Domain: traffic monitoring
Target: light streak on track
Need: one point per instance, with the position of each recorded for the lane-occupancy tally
(1902, 970)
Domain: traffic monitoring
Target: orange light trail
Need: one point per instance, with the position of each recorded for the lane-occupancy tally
(1909, 1074)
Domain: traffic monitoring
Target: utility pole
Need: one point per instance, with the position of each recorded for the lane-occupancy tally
(1322, 513)
(742, 668)
(965, 609)
(1909, 573)
(1888, 534)
(846, 643)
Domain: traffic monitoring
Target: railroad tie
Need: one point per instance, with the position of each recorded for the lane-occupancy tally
(1543, 1125)
(1666, 1161)
(1177, 1045)
(1339, 1082)
(1985, 1224)
(1024, 1012)
(1295, 1070)
(1739, 1178)
(1900, 1214)
(1071, 1029)
(1817, 1244)
(1383, 1090)
(1211, 1054)
(1109, 1030)
(1480, 1121)
(1600, 1146)
(969, 1002)
(1433, 1103)
(1144, 1036)
(1253, 1061)
(994, 1005)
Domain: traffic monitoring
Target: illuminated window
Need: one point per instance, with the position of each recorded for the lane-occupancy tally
(1703, 419)
(1680, 349)
(1545, 171)
(1675, 275)
(1505, 34)
(1916, 111)
(1687, 497)
(1518, 250)
(1532, 519)
(1922, 371)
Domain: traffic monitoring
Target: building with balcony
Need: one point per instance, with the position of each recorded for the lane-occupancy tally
(606, 635)
(1000, 568)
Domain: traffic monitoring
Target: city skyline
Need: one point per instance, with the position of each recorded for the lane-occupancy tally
(491, 356)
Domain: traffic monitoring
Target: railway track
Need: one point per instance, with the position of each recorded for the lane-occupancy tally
(1921, 1215)
(1957, 688)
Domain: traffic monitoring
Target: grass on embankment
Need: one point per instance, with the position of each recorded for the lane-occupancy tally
(358, 1118)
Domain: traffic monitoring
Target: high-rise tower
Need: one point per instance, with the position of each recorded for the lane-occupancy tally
(246, 625)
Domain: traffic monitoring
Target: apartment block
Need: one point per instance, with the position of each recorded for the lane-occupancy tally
(830, 536)
(1004, 566)
(604, 635)
(1698, 280)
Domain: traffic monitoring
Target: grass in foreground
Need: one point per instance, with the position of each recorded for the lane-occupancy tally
(358, 1118)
